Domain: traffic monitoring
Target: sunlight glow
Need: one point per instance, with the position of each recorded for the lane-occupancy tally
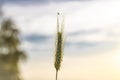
(117, 60)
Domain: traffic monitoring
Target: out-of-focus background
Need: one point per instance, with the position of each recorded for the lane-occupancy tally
(92, 36)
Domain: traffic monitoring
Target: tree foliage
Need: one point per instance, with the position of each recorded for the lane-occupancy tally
(10, 52)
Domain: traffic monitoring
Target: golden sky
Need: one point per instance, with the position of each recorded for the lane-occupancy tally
(102, 66)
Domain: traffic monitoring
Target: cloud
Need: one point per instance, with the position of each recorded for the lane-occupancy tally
(36, 1)
(35, 38)
(85, 16)
(85, 23)
(84, 32)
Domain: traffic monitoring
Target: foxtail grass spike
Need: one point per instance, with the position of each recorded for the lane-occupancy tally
(59, 45)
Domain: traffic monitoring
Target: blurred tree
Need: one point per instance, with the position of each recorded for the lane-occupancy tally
(10, 53)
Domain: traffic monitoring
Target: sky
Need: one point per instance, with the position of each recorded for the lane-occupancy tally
(91, 37)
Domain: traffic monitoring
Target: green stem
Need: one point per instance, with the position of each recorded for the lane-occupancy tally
(56, 74)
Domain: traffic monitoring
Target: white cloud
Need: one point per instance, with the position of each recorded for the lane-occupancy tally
(79, 15)
(41, 19)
